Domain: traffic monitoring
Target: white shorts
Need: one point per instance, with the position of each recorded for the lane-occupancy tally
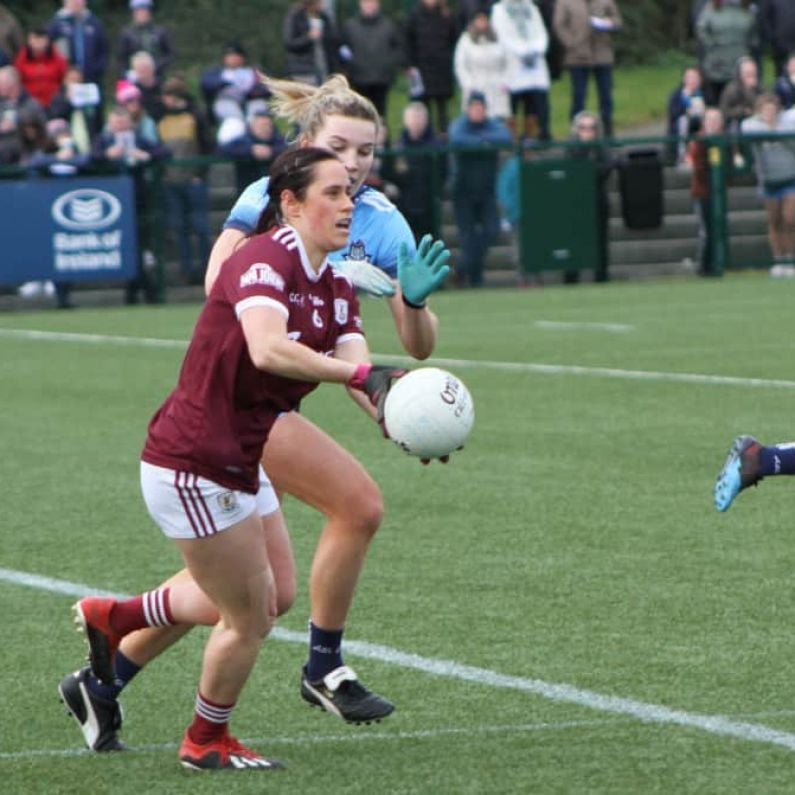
(184, 505)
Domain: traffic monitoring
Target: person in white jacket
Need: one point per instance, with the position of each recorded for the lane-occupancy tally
(521, 31)
(480, 63)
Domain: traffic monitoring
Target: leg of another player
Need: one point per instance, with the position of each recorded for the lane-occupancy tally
(303, 461)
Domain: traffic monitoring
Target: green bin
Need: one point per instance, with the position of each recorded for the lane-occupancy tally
(558, 227)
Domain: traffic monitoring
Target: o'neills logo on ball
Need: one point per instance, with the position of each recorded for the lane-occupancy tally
(450, 392)
(262, 273)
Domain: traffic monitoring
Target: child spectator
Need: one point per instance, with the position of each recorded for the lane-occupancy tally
(129, 96)
(700, 188)
(120, 144)
(183, 129)
(775, 171)
(685, 110)
(143, 35)
(41, 67)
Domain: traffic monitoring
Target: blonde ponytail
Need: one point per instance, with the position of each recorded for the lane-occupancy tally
(309, 106)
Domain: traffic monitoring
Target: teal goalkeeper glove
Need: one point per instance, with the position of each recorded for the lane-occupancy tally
(423, 273)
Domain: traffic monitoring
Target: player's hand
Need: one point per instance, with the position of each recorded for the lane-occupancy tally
(376, 381)
(423, 273)
(366, 277)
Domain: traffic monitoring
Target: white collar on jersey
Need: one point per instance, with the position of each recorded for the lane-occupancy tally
(288, 236)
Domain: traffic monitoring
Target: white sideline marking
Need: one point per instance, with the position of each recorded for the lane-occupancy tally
(559, 325)
(515, 367)
(373, 735)
(376, 735)
(449, 669)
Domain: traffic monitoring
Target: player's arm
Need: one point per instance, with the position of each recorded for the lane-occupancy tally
(240, 223)
(420, 272)
(416, 327)
(356, 351)
(223, 248)
(271, 350)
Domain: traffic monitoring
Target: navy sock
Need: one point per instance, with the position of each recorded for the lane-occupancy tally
(125, 670)
(777, 460)
(325, 652)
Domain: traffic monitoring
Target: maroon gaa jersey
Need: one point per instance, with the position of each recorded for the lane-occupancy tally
(215, 422)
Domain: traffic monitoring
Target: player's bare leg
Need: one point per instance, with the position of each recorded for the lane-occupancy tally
(233, 570)
(95, 706)
(303, 461)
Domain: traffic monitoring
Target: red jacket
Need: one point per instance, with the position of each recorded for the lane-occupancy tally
(41, 77)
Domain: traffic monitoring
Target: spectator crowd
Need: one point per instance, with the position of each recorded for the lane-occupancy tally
(69, 98)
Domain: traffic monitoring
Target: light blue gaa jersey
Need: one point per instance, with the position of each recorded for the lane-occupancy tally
(377, 229)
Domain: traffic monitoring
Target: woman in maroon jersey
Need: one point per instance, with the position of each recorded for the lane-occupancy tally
(277, 322)
(300, 458)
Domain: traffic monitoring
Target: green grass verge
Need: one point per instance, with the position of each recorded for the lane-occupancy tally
(572, 541)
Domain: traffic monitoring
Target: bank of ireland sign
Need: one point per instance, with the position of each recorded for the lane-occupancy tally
(69, 229)
(87, 241)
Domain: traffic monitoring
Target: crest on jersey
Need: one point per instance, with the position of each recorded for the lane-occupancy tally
(357, 251)
(227, 501)
(341, 311)
(262, 273)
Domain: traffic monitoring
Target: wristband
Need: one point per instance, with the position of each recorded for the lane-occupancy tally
(412, 305)
(359, 377)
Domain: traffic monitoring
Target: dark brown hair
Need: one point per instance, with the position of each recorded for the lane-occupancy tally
(293, 170)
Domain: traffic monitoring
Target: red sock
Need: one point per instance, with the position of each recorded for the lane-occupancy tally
(151, 609)
(210, 720)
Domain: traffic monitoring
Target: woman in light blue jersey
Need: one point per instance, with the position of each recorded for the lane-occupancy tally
(301, 459)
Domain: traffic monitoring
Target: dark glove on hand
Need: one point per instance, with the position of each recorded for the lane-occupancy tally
(375, 381)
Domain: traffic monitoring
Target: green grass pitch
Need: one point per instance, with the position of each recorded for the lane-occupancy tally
(582, 619)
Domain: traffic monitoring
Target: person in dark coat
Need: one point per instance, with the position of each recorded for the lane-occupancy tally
(374, 47)
(143, 34)
(474, 185)
(81, 37)
(418, 172)
(777, 25)
(311, 42)
(431, 36)
(253, 151)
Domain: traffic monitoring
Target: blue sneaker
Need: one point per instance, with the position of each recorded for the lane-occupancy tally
(740, 471)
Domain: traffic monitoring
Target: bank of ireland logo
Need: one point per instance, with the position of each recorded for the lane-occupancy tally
(86, 209)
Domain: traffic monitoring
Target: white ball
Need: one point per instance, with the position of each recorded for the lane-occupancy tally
(429, 412)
